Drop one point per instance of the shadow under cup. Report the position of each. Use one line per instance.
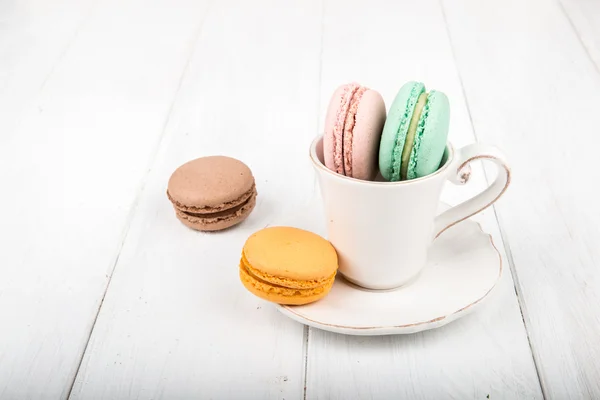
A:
(381, 230)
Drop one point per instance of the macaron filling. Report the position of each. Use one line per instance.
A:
(283, 281)
(265, 286)
(416, 122)
(411, 172)
(205, 210)
(402, 132)
(219, 219)
(342, 129)
(218, 214)
(349, 129)
(216, 218)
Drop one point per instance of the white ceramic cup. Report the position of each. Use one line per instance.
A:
(382, 230)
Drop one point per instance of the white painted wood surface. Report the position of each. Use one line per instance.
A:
(72, 166)
(584, 16)
(486, 353)
(36, 35)
(533, 90)
(100, 100)
(176, 322)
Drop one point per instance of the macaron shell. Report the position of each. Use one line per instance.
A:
(330, 120)
(283, 281)
(282, 295)
(214, 208)
(217, 221)
(396, 128)
(370, 118)
(432, 136)
(210, 184)
(291, 253)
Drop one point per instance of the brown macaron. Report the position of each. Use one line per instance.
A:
(212, 193)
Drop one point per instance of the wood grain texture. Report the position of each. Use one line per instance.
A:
(584, 15)
(35, 36)
(486, 353)
(176, 322)
(71, 168)
(100, 100)
(533, 90)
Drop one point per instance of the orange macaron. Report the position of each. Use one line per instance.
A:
(288, 265)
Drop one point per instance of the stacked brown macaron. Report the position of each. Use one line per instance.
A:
(212, 193)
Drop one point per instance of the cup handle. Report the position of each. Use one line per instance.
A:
(460, 172)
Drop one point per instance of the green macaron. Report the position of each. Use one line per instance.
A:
(415, 133)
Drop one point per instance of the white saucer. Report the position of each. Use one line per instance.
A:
(463, 268)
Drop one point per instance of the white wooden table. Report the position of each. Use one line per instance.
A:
(105, 295)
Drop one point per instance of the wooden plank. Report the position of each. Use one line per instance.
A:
(584, 16)
(533, 90)
(71, 169)
(176, 322)
(486, 354)
(32, 43)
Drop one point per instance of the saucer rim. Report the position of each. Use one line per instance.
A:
(399, 329)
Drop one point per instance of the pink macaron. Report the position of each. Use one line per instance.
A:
(353, 126)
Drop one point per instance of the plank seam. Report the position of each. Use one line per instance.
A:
(140, 190)
(505, 242)
(578, 35)
(67, 47)
(307, 329)
(517, 288)
(305, 349)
